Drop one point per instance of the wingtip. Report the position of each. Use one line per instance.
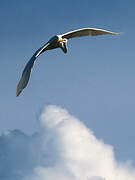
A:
(18, 91)
(116, 34)
(121, 33)
(17, 94)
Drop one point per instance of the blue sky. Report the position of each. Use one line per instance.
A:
(94, 81)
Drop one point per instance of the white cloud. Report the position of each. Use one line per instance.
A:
(65, 149)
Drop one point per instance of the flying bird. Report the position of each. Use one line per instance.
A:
(58, 41)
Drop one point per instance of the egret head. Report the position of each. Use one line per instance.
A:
(62, 40)
(57, 39)
(63, 44)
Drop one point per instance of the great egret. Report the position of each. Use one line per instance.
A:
(58, 41)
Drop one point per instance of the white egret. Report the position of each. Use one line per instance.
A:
(58, 41)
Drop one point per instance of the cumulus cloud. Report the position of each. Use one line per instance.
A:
(65, 149)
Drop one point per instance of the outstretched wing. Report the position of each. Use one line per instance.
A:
(27, 70)
(87, 32)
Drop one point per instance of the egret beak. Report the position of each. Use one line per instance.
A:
(61, 40)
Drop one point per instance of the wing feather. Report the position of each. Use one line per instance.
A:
(27, 70)
(87, 32)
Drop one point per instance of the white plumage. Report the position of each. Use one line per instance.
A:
(58, 41)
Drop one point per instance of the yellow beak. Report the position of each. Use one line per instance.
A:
(61, 40)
